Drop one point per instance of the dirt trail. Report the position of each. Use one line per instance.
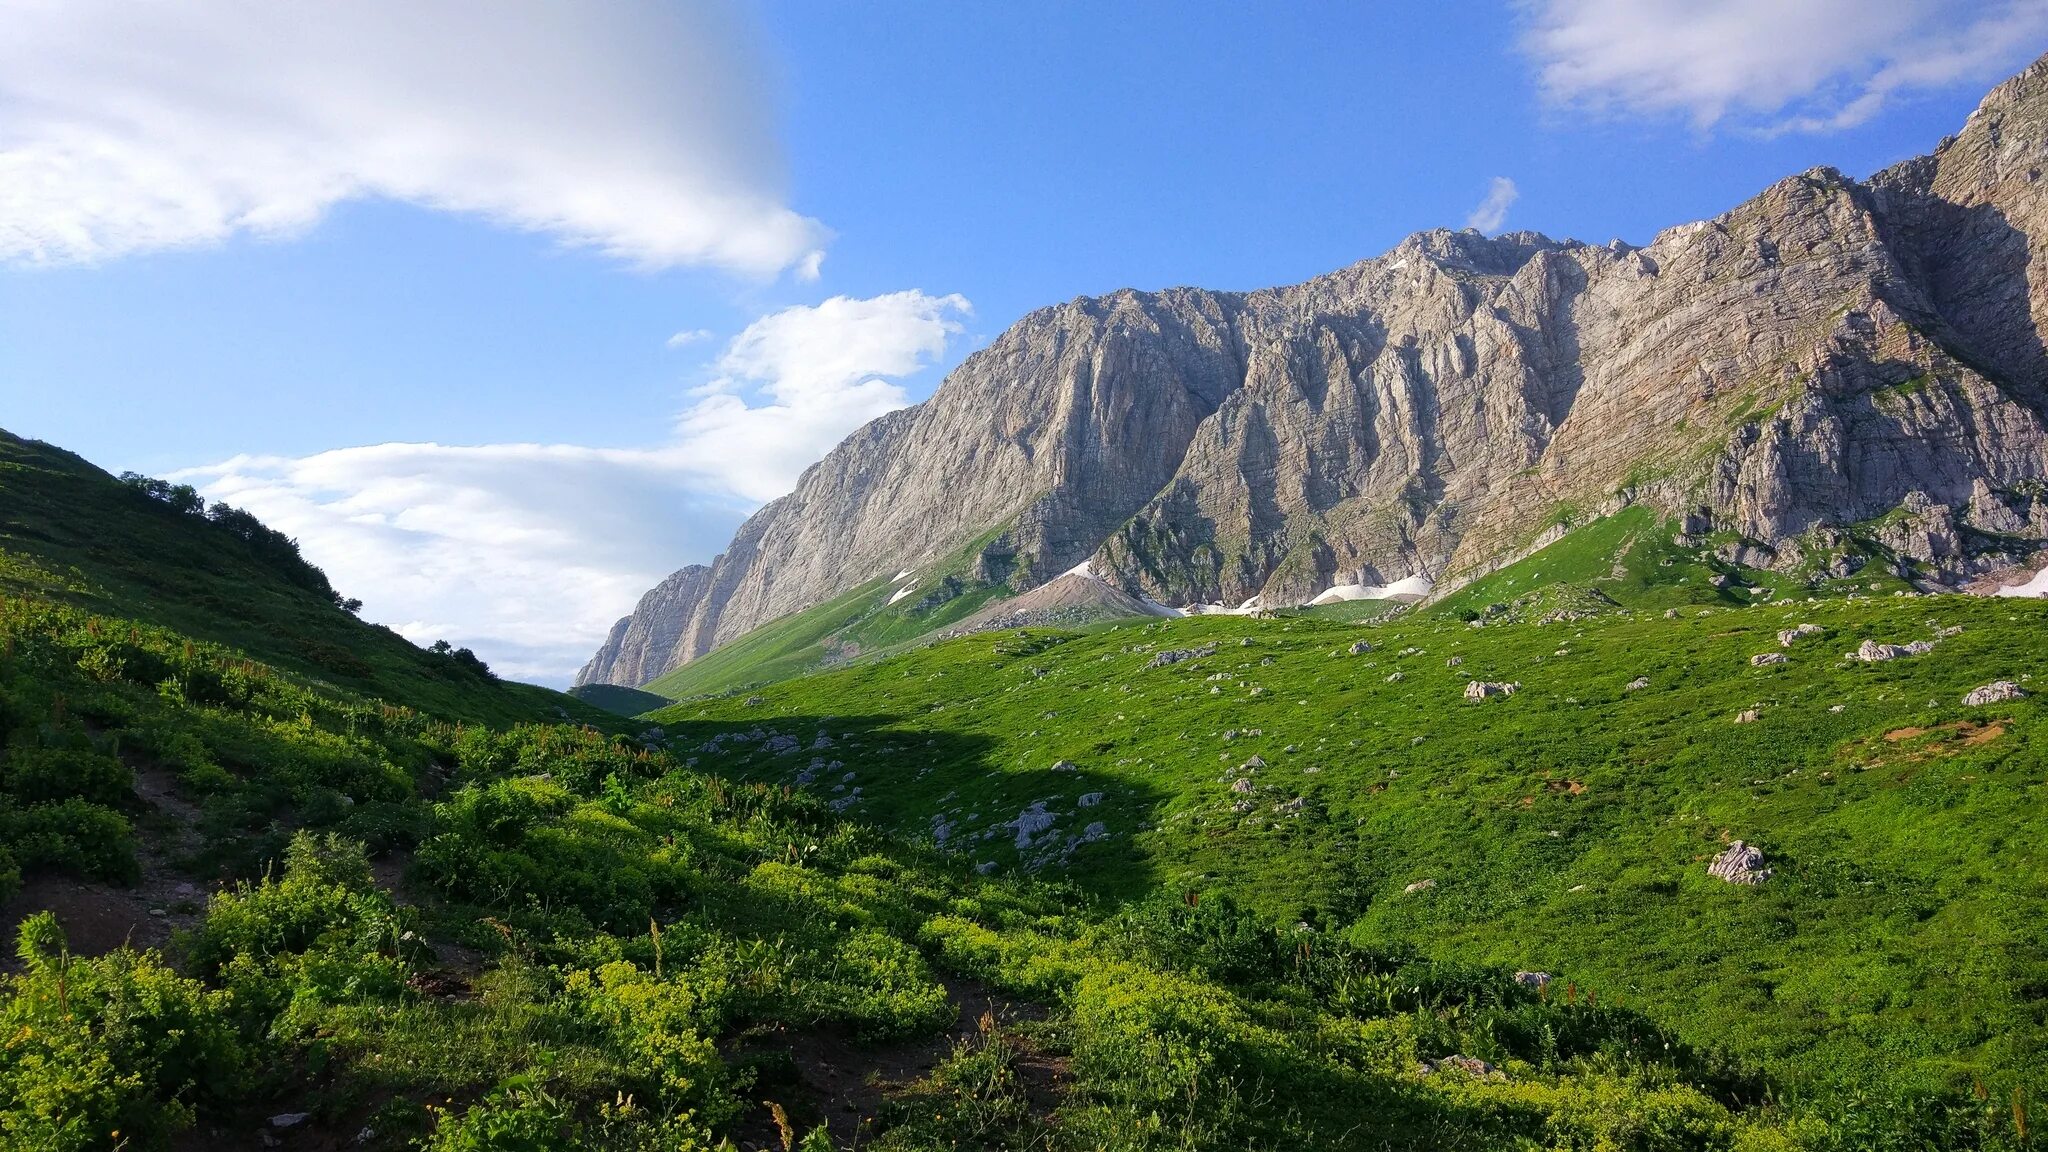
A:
(843, 1084)
(97, 917)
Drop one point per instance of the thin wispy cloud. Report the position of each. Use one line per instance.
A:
(1771, 66)
(1492, 212)
(528, 552)
(690, 336)
(642, 129)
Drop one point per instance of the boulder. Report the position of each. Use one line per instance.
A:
(1764, 659)
(1791, 636)
(1996, 692)
(1419, 886)
(1740, 863)
(1481, 689)
(1470, 1065)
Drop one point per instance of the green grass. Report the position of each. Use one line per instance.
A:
(1567, 827)
(860, 623)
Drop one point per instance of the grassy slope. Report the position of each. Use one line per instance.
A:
(514, 992)
(858, 623)
(73, 534)
(1566, 827)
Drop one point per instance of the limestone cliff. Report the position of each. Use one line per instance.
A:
(1832, 353)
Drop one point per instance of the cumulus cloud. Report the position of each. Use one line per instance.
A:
(1771, 65)
(638, 128)
(528, 552)
(816, 372)
(1492, 212)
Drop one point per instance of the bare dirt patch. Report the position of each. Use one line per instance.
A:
(98, 918)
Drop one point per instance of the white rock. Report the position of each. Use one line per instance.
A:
(1996, 692)
(1740, 863)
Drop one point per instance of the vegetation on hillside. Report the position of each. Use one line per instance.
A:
(306, 908)
(1894, 955)
(154, 553)
(595, 946)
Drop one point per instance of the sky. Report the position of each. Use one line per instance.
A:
(507, 310)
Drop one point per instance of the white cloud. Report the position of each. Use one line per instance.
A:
(1771, 65)
(528, 552)
(638, 128)
(690, 336)
(818, 371)
(1492, 212)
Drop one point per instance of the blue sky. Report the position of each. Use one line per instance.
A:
(507, 310)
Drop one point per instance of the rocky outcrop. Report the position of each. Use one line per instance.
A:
(1832, 356)
(647, 643)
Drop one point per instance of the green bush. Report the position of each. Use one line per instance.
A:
(108, 1052)
(74, 836)
(321, 935)
(44, 775)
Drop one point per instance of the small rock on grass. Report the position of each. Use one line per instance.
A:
(1996, 692)
(1740, 863)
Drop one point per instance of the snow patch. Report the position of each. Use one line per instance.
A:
(901, 575)
(1408, 588)
(1084, 568)
(906, 590)
(2037, 586)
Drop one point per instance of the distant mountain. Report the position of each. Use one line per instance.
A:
(1834, 366)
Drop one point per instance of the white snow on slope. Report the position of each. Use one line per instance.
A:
(1411, 587)
(2037, 586)
(906, 590)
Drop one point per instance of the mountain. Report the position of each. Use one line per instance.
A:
(1833, 361)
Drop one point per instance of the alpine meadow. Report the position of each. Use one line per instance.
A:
(1508, 693)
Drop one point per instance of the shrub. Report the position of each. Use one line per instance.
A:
(40, 775)
(73, 835)
(114, 1051)
(321, 935)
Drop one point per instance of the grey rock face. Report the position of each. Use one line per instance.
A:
(1830, 354)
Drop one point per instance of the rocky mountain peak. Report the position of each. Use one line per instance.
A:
(1801, 365)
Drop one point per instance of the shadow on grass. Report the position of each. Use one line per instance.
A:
(946, 789)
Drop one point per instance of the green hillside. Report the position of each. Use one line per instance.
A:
(73, 534)
(265, 903)
(258, 906)
(1898, 946)
(872, 619)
